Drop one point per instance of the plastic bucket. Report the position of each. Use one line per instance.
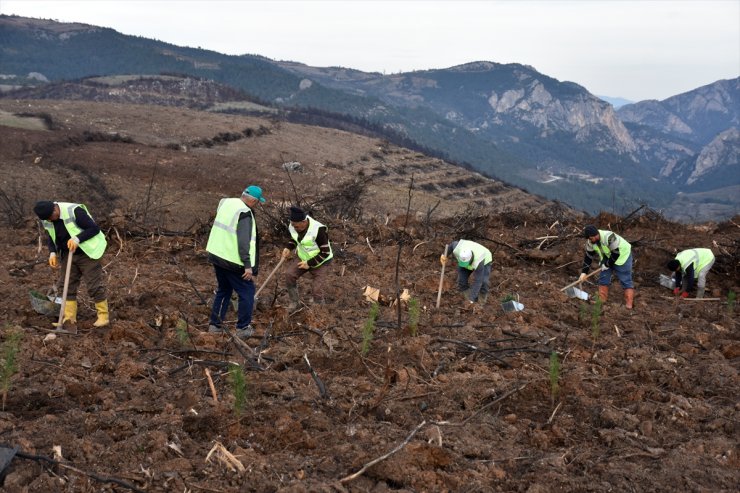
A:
(43, 304)
(667, 282)
(512, 306)
(574, 292)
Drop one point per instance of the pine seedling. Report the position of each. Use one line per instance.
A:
(413, 316)
(596, 317)
(583, 313)
(9, 366)
(369, 328)
(508, 297)
(554, 375)
(238, 387)
(731, 299)
(181, 331)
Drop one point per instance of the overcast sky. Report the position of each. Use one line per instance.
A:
(648, 49)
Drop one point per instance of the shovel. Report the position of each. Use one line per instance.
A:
(282, 259)
(64, 291)
(441, 279)
(597, 271)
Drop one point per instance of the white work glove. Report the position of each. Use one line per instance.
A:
(303, 265)
(53, 262)
(604, 267)
(286, 253)
(582, 277)
(443, 259)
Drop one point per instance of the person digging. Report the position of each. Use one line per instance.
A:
(310, 239)
(71, 230)
(472, 259)
(691, 267)
(615, 255)
(233, 250)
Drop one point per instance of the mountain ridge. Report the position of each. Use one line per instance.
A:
(507, 121)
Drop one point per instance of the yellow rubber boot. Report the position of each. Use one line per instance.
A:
(70, 313)
(103, 317)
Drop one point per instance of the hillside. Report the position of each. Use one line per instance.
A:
(464, 401)
(506, 121)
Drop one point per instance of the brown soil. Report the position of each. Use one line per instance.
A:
(647, 400)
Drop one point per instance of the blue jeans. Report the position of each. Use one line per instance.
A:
(623, 272)
(229, 281)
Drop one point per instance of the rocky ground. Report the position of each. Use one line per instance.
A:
(462, 400)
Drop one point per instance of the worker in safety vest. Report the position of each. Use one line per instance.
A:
(310, 239)
(690, 266)
(233, 249)
(614, 254)
(72, 231)
(472, 258)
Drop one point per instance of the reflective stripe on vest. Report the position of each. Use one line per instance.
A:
(480, 253)
(602, 247)
(307, 247)
(223, 241)
(700, 257)
(93, 247)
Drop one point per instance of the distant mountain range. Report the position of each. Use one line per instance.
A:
(508, 121)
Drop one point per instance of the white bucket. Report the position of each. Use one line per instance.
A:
(512, 306)
(667, 282)
(574, 292)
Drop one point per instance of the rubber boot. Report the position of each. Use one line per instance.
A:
(70, 315)
(293, 296)
(103, 316)
(465, 294)
(629, 296)
(482, 299)
(603, 293)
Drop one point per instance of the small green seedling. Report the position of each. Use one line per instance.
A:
(9, 366)
(554, 375)
(413, 316)
(508, 297)
(238, 387)
(596, 317)
(181, 331)
(369, 328)
(731, 299)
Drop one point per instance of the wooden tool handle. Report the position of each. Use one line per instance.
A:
(282, 259)
(66, 287)
(441, 279)
(579, 281)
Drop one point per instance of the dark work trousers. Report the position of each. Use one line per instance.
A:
(318, 275)
(83, 267)
(228, 282)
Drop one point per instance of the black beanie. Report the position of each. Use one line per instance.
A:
(44, 209)
(590, 231)
(297, 214)
(673, 264)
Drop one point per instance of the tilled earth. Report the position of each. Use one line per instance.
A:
(463, 400)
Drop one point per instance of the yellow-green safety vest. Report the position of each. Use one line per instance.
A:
(480, 253)
(700, 257)
(602, 247)
(93, 247)
(307, 247)
(223, 241)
